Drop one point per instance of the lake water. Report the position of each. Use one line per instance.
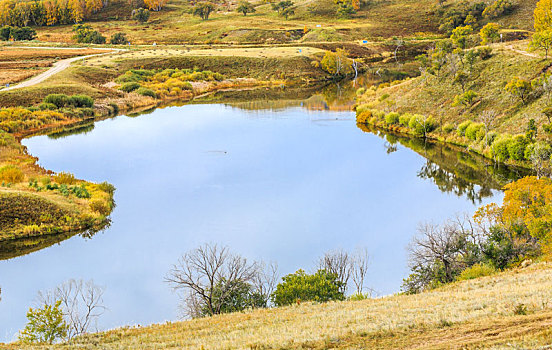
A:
(282, 185)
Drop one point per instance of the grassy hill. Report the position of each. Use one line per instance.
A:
(314, 21)
(508, 310)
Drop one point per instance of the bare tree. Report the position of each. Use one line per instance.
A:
(540, 159)
(488, 118)
(359, 269)
(437, 244)
(210, 274)
(82, 304)
(265, 280)
(339, 263)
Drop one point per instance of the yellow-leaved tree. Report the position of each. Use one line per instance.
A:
(543, 15)
(528, 201)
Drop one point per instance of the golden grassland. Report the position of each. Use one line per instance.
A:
(431, 95)
(479, 313)
(378, 19)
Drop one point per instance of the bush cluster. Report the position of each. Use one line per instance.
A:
(163, 83)
(418, 124)
(62, 100)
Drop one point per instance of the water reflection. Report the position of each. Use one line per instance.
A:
(13, 248)
(452, 169)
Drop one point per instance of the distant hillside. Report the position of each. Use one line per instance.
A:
(314, 21)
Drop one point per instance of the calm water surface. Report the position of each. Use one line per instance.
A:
(279, 185)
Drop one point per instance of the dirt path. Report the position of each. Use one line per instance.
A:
(57, 67)
(521, 52)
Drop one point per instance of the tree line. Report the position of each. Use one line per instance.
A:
(47, 12)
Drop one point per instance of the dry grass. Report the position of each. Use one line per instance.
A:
(18, 63)
(379, 19)
(431, 95)
(475, 313)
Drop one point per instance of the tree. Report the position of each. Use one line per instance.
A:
(213, 276)
(488, 119)
(539, 155)
(245, 7)
(529, 201)
(520, 88)
(543, 15)
(85, 34)
(322, 286)
(141, 15)
(44, 325)
(118, 39)
(460, 36)
(337, 63)
(81, 304)
(359, 269)
(284, 8)
(489, 33)
(465, 99)
(542, 41)
(155, 5)
(203, 10)
(338, 263)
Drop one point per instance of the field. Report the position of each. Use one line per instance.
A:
(509, 310)
(20, 63)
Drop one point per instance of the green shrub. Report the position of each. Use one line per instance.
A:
(477, 270)
(47, 106)
(11, 174)
(85, 34)
(23, 34)
(422, 125)
(500, 147)
(404, 119)
(392, 118)
(321, 287)
(118, 39)
(145, 92)
(5, 33)
(128, 87)
(60, 100)
(141, 15)
(461, 130)
(472, 132)
(491, 136)
(80, 191)
(45, 325)
(80, 101)
(448, 128)
(516, 148)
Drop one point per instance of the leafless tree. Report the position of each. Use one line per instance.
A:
(359, 269)
(488, 118)
(265, 280)
(437, 243)
(81, 302)
(339, 263)
(399, 42)
(347, 266)
(540, 159)
(207, 270)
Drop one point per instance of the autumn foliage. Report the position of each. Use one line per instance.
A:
(47, 12)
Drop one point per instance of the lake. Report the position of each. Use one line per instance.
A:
(277, 182)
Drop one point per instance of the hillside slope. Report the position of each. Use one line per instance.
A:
(469, 314)
(314, 21)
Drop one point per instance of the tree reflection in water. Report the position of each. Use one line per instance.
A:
(453, 169)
